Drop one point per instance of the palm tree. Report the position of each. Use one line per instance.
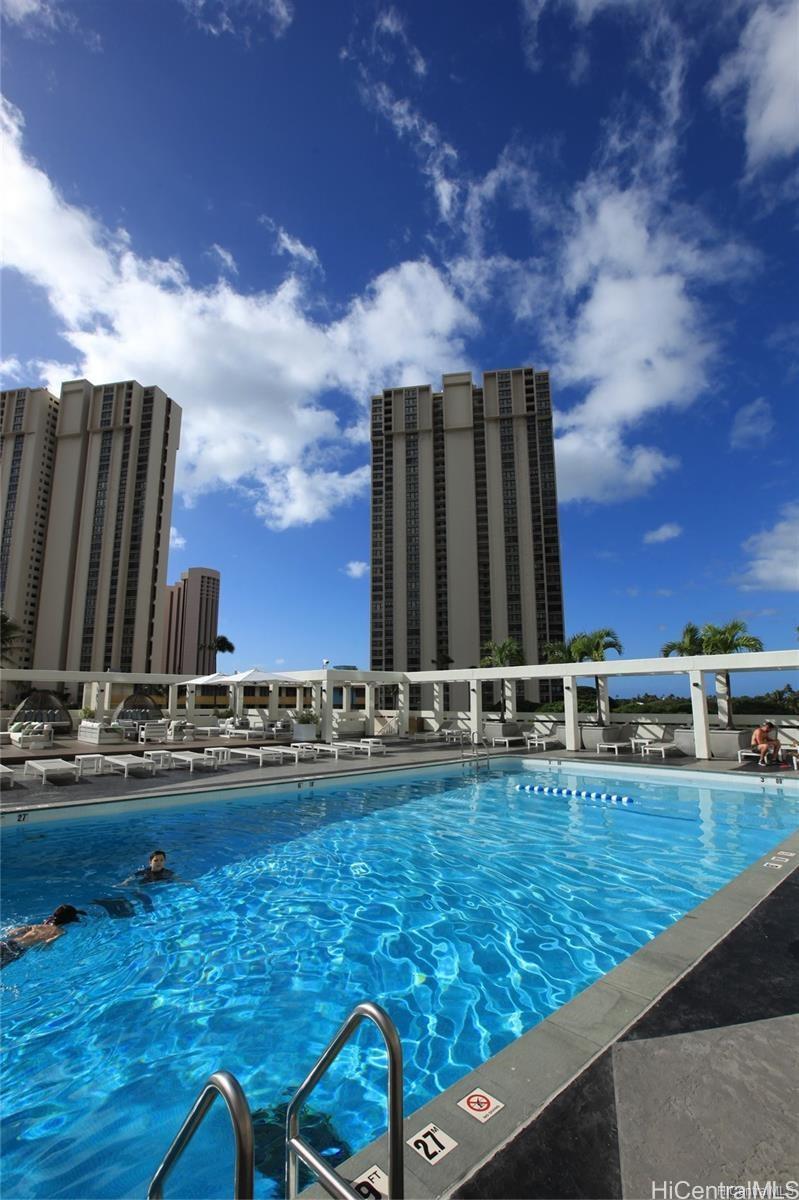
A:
(10, 635)
(223, 645)
(688, 645)
(502, 654)
(581, 646)
(731, 638)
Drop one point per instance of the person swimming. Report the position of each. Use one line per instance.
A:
(156, 872)
(25, 936)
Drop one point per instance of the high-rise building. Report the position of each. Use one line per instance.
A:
(28, 419)
(192, 614)
(465, 543)
(96, 601)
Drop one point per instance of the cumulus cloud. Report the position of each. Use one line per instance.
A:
(239, 17)
(225, 259)
(44, 18)
(249, 370)
(356, 570)
(10, 368)
(285, 243)
(774, 555)
(753, 424)
(664, 533)
(176, 540)
(761, 75)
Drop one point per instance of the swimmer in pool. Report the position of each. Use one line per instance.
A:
(25, 936)
(156, 872)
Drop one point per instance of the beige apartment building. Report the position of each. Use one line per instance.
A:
(95, 598)
(192, 615)
(465, 542)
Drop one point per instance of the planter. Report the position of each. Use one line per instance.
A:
(304, 733)
(725, 743)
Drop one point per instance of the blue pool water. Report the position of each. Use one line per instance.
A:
(470, 910)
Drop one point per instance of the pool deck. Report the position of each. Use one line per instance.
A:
(30, 793)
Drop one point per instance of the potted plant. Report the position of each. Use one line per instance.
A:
(306, 726)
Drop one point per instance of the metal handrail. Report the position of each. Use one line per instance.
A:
(333, 1183)
(477, 740)
(223, 1084)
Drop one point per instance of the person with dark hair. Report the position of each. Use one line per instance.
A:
(766, 742)
(156, 872)
(24, 936)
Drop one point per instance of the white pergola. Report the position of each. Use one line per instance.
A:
(97, 686)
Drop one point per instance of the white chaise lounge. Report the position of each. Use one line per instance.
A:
(192, 759)
(43, 767)
(125, 762)
(367, 746)
(7, 773)
(294, 752)
(324, 748)
(610, 740)
(261, 755)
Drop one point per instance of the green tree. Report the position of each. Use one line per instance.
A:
(10, 636)
(732, 638)
(592, 645)
(688, 644)
(502, 654)
(223, 645)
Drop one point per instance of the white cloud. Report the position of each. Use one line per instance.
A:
(584, 11)
(664, 533)
(236, 17)
(753, 424)
(279, 662)
(248, 369)
(774, 555)
(391, 24)
(763, 68)
(11, 368)
(226, 260)
(176, 540)
(45, 18)
(285, 243)
(356, 570)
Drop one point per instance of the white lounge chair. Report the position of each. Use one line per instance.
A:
(124, 762)
(538, 741)
(607, 742)
(363, 746)
(503, 739)
(49, 766)
(295, 752)
(660, 747)
(192, 759)
(262, 755)
(7, 773)
(324, 748)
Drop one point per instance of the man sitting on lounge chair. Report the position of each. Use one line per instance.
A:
(766, 742)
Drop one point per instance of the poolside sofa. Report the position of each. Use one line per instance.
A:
(153, 731)
(31, 735)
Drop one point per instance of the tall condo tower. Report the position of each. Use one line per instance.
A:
(465, 543)
(192, 613)
(28, 418)
(97, 600)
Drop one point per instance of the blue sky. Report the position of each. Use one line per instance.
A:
(273, 208)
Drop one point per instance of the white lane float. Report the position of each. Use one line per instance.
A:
(550, 790)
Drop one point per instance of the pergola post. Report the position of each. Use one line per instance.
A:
(402, 708)
(87, 695)
(326, 710)
(237, 699)
(509, 699)
(602, 700)
(475, 708)
(570, 713)
(346, 697)
(172, 701)
(369, 709)
(274, 696)
(723, 705)
(191, 701)
(99, 694)
(699, 715)
(438, 705)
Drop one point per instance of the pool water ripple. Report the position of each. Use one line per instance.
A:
(470, 910)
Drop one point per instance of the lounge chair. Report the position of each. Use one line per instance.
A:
(538, 739)
(323, 748)
(660, 747)
(49, 766)
(363, 746)
(124, 762)
(295, 752)
(7, 773)
(262, 754)
(192, 759)
(611, 740)
(206, 731)
(503, 739)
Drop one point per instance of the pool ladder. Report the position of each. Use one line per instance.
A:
(477, 750)
(223, 1084)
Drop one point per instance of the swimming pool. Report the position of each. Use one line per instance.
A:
(468, 908)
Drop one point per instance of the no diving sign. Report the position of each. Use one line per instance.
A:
(480, 1105)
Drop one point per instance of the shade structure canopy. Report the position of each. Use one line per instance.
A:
(216, 677)
(254, 675)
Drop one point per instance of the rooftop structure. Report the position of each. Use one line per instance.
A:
(192, 614)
